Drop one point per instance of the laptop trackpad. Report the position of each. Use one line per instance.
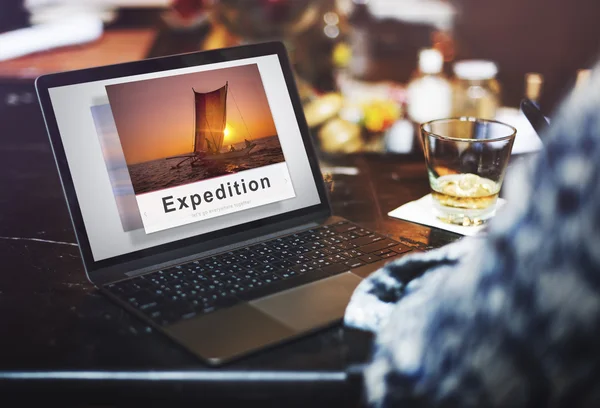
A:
(228, 333)
(310, 306)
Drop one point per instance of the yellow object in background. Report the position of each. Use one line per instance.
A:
(379, 115)
(322, 109)
(340, 136)
(533, 86)
(342, 53)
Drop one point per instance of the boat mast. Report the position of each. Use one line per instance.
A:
(195, 122)
(225, 113)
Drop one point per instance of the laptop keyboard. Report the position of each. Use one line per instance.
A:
(205, 285)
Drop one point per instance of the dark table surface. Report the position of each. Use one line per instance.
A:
(53, 319)
(75, 345)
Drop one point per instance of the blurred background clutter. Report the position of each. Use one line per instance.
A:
(369, 71)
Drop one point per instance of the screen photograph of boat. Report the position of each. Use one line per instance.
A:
(188, 128)
(211, 128)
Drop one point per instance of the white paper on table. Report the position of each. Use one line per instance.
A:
(527, 140)
(421, 212)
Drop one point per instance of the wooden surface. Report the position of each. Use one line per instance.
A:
(112, 48)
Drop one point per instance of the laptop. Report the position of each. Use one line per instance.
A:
(197, 200)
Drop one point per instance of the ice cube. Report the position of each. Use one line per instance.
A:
(468, 185)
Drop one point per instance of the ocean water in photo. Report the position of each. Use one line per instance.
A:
(160, 174)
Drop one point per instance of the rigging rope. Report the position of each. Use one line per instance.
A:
(242, 116)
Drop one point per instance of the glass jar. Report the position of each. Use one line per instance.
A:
(476, 92)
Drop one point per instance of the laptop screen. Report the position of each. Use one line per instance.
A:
(164, 156)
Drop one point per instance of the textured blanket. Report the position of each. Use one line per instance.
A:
(511, 319)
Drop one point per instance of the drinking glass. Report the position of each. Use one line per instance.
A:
(466, 160)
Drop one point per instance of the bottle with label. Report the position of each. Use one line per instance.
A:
(476, 90)
(400, 138)
(429, 94)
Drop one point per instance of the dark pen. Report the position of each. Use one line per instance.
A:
(535, 116)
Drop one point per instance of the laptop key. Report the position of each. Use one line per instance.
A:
(351, 253)
(242, 256)
(334, 269)
(288, 274)
(369, 258)
(331, 241)
(269, 256)
(315, 255)
(368, 239)
(298, 260)
(232, 291)
(331, 250)
(313, 246)
(263, 269)
(250, 264)
(270, 278)
(298, 250)
(354, 263)
(317, 263)
(142, 297)
(285, 263)
(301, 269)
(336, 258)
(347, 236)
(361, 232)
(248, 275)
(284, 254)
(346, 245)
(148, 305)
(401, 249)
(156, 279)
(384, 243)
(283, 284)
(228, 281)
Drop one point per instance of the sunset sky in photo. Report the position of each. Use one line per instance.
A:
(155, 118)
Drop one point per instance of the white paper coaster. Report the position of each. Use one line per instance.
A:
(421, 212)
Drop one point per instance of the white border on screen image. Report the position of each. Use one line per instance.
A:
(92, 184)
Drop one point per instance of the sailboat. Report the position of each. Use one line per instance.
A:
(210, 110)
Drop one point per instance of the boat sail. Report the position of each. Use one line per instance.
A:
(210, 120)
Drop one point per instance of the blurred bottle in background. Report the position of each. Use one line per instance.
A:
(533, 86)
(400, 138)
(429, 93)
(476, 92)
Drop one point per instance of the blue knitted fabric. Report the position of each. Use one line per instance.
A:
(511, 319)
